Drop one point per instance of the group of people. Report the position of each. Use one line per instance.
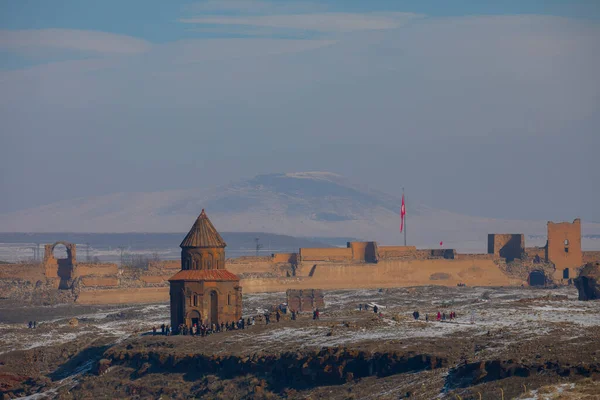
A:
(32, 324)
(366, 308)
(205, 329)
(441, 316)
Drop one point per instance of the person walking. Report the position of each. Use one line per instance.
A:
(162, 329)
(439, 316)
(277, 316)
(153, 330)
(375, 309)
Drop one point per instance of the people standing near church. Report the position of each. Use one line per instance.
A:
(375, 309)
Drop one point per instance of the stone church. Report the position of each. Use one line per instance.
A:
(204, 291)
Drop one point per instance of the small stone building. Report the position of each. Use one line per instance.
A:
(204, 291)
(305, 299)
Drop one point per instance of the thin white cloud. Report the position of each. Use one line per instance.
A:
(320, 22)
(254, 7)
(71, 39)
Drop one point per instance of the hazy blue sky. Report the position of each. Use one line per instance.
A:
(485, 109)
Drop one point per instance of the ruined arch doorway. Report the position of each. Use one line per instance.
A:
(537, 278)
(60, 251)
(214, 308)
(59, 259)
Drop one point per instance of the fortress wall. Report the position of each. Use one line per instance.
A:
(411, 273)
(29, 272)
(401, 252)
(96, 269)
(591, 256)
(256, 267)
(473, 256)
(102, 282)
(385, 274)
(427, 254)
(291, 258)
(124, 296)
(326, 254)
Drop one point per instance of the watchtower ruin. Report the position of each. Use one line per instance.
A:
(563, 248)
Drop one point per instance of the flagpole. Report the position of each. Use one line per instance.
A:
(404, 216)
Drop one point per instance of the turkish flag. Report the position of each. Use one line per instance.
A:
(402, 214)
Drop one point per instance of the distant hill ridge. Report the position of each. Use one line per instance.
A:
(308, 204)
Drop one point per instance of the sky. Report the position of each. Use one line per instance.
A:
(484, 108)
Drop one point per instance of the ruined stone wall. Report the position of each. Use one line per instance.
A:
(325, 254)
(508, 246)
(93, 281)
(398, 273)
(531, 252)
(155, 279)
(564, 247)
(397, 252)
(473, 256)
(165, 265)
(590, 256)
(291, 258)
(364, 251)
(27, 272)
(82, 270)
(429, 254)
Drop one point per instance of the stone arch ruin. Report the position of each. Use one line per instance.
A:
(61, 269)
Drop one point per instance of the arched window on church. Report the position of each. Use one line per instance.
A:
(195, 300)
(229, 299)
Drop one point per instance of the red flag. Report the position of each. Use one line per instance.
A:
(402, 214)
(441, 243)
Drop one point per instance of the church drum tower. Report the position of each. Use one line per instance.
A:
(204, 291)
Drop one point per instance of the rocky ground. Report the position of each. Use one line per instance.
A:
(518, 342)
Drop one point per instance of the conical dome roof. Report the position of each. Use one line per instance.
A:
(203, 234)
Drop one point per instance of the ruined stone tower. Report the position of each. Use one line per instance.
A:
(204, 291)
